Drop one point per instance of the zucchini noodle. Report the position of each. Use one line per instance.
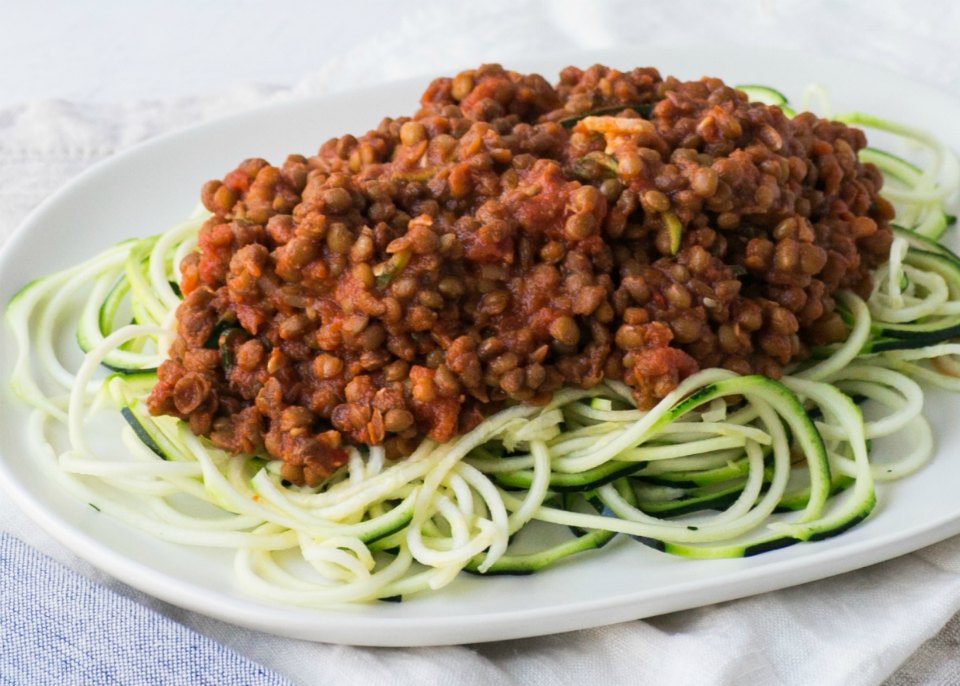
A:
(723, 466)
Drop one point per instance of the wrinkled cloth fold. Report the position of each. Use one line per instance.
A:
(889, 621)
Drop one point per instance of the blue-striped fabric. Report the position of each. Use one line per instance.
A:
(57, 627)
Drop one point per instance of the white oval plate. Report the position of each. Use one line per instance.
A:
(156, 184)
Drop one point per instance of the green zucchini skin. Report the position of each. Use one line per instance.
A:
(524, 565)
(572, 483)
(142, 432)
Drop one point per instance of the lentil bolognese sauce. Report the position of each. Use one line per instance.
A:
(510, 239)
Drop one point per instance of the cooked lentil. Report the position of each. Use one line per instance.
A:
(499, 245)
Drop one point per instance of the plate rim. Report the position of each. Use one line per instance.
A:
(301, 622)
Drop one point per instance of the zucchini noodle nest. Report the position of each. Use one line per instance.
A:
(724, 466)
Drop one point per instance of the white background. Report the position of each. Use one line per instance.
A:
(115, 50)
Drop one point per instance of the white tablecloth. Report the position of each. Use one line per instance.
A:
(80, 84)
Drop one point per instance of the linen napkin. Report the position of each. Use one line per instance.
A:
(848, 630)
(57, 627)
